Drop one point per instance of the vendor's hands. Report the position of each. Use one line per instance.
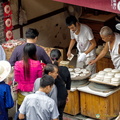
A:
(92, 62)
(68, 54)
(82, 57)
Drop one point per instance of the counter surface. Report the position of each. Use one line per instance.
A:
(88, 90)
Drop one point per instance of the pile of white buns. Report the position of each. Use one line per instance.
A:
(74, 72)
(108, 75)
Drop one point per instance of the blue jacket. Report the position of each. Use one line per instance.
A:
(6, 100)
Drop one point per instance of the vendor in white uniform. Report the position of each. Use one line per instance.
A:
(112, 45)
(82, 34)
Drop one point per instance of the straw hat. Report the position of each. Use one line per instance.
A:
(5, 69)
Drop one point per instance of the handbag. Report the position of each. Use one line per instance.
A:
(14, 91)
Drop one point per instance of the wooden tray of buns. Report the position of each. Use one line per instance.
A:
(102, 82)
(81, 77)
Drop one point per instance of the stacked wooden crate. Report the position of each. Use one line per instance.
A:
(10, 46)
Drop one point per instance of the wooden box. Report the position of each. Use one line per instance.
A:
(9, 51)
(73, 105)
(104, 63)
(103, 108)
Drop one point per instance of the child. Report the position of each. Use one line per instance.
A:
(6, 100)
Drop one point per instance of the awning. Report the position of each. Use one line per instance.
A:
(105, 5)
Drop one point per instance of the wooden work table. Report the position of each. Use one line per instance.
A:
(94, 104)
(99, 105)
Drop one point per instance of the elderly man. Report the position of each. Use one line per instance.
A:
(52, 70)
(112, 45)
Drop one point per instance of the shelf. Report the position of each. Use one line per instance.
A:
(100, 17)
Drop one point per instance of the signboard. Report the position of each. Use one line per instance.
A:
(105, 5)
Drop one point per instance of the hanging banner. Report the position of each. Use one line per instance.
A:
(7, 21)
(105, 5)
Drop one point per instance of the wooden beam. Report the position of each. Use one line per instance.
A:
(40, 18)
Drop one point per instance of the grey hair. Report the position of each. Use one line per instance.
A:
(106, 31)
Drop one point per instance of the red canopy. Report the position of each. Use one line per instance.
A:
(105, 5)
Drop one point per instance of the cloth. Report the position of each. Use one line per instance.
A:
(53, 92)
(2, 54)
(22, 16)
(115, 56)
(25, 83)
(17, 55)
(83, 39)
(20, 98)
(82, 57)
(91, 68)
(39, 106)
(6, 100)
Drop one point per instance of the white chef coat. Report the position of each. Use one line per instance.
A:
(83, 43)
(83, 39)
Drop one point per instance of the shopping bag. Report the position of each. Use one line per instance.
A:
(14, 91)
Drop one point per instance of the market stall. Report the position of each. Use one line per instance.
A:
(96, 97)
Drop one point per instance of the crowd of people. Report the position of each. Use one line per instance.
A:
(42, 91)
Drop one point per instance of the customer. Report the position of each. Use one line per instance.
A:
(26, 71)
(31, 37)
(112, 45)
(83, 36)
(39, 106)
(62, 82)
(51, 70)
(6, 100)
